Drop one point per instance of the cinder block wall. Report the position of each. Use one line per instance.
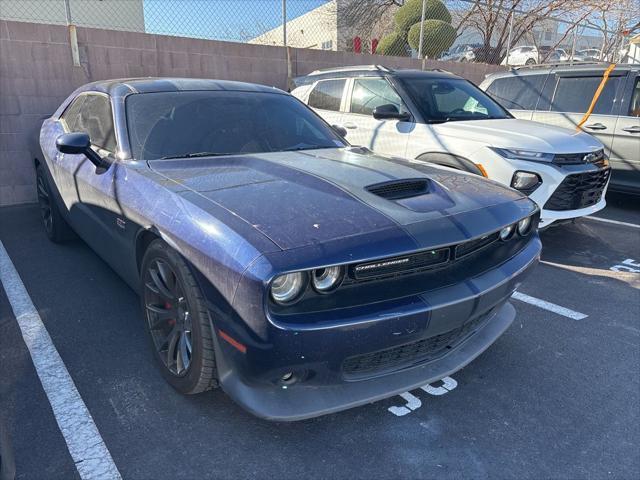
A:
(37, 74)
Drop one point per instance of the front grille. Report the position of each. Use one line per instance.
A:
(579, 190)
(400, 265)
(473, 245)
(596, 158)
(398, 189)
(410, 354)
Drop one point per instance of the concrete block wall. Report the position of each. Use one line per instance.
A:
(37, 74)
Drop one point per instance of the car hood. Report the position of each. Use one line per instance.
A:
(521, 134)
(315, 196)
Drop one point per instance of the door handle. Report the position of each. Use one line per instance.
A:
(634, 129)
(350, 125)
(596, 126)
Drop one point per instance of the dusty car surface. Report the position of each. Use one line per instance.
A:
(301, 275)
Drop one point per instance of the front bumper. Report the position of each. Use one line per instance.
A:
(317, 356)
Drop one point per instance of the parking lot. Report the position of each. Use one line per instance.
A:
(556, 397)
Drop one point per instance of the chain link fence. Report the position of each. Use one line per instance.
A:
(494, 32)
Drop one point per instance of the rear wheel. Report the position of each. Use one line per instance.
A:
(55, 226)
(530, 61)
(177, 320)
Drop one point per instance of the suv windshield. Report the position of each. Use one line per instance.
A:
(208, 123)
(445, 100)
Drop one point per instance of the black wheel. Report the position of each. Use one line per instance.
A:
(177, 320)
(56, 228)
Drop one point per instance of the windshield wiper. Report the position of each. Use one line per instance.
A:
(194, 155)
(297, 148)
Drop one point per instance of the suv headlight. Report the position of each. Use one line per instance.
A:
(286, 288)
(517, 154)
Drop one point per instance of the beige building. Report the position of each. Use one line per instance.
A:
(111, 14)
(332, 26)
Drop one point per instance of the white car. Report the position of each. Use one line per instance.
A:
(524, 55)
(438, 117)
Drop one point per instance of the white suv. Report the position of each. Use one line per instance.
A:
(438, 117)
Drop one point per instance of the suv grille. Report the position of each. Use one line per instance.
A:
(596, 158)
(397, 189)
(580, 190)
(411, 354)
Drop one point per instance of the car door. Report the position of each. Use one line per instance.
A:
(625, 152)
(389, 137)
(567, 96)
(89, 194)
(326, 99)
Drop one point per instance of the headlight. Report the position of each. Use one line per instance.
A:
(326, 279)
(526, 182)
(524, 226)
(286, 288)
(507, 232)
(517, 154)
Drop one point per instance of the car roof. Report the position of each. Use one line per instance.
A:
(126, 86)
(579, 67)
(370, 71)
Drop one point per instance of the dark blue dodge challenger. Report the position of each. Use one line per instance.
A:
(301, 274)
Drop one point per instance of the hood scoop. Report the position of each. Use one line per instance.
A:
(399, 189)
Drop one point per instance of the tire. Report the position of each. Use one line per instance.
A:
(177, 320)
(530, 61)
(55, 226)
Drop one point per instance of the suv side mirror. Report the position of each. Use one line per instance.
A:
(79, 143)
(339, 130)
(389, 112)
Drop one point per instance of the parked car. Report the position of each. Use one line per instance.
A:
(523, 55)
(552, 55)
(300, 274)
(589, 55)
(441, 118)
(560, 96)
(461, 53)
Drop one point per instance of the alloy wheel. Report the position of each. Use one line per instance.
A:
(168, 317)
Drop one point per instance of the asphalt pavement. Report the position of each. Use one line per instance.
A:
(554, 397)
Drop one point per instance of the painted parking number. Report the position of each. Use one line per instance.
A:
(628, 265)
(413, 402)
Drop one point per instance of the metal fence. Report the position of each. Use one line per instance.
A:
(455, 30)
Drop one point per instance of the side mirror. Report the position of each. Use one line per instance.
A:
(389, 112)
(339, 130)
(79, 143)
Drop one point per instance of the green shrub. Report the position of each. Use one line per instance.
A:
(394, 44)
(411, 12)
(438, 37)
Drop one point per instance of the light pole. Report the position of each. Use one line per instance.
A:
(424, 6)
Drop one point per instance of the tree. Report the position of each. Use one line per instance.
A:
(394, 44)
(438, 36)
(411, 13)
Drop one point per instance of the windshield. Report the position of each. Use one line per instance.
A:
(208, 123)
(446, 100)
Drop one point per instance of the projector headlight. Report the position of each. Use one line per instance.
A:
(326, 279)
(286, 288)
(524, 226)
(507, 232)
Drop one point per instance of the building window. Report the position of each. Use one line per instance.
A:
(328, 45)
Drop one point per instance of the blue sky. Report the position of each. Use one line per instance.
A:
(235, 20)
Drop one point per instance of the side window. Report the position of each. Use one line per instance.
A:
(574, 94)
(327, 95)
(70, 115)
(369, 93)
(96, 119)
(634, 107)
(517, 92)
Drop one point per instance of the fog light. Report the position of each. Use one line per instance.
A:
(524, 226)
(526, 182)
(506, 233)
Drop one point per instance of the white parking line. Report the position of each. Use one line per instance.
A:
(552, 307)
(614, 222)
(86, 446)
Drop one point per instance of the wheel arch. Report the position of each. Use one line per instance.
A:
(451, 160)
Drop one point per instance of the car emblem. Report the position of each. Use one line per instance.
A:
(590, 157)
